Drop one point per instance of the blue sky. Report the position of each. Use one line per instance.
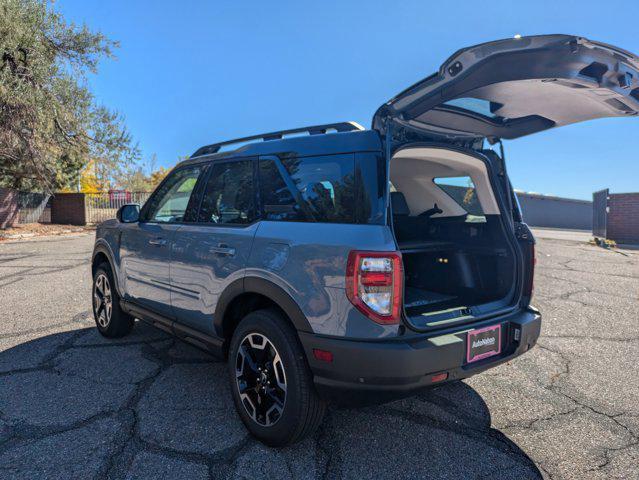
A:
(191, 73)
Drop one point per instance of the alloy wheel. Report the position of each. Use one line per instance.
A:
(260, 379)
(102, 300)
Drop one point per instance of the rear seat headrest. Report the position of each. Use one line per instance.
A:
(398, 204)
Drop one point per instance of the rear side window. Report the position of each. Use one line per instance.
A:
(278, 200)
(229, 196)
(326, 186)
(462, 190)
(328, 189)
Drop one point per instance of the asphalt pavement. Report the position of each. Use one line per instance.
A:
(75, 405)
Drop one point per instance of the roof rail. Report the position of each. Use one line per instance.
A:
(314, 130)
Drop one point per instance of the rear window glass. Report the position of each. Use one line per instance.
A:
(462, 190)
(476, 105)
(330, 189)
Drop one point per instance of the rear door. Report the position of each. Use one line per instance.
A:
(210, 253)
(510, 88)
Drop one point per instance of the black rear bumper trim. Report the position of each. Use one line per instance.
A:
(399, 367)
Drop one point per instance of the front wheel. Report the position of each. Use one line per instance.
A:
(111, 320)
(271, 382)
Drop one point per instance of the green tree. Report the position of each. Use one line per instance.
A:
(135, 180)
(51, 126)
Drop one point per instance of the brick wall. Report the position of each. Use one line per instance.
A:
(8, 207)
(623, 217)
(68, 208)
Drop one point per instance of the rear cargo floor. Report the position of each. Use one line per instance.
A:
(417, 297)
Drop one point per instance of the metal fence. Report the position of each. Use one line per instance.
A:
(600, 213)
(555, 212)
(103, 206)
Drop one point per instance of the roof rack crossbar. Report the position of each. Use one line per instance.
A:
(314, 130)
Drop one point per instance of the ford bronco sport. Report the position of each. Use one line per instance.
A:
(337, 263)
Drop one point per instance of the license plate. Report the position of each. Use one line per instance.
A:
(483, 343)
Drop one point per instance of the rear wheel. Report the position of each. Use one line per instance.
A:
(271, 382)
(110, 319)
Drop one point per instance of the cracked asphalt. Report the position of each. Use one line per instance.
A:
(74, 405)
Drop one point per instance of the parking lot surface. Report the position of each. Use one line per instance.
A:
(75, 405)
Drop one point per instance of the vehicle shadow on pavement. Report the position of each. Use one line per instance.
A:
(76, 405)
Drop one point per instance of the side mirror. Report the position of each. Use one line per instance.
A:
(129, 213)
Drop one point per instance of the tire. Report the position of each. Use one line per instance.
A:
(298, 412)
(111, 320)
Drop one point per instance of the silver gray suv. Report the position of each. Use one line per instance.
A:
(333, 263)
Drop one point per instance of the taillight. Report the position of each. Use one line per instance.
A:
(374, 284)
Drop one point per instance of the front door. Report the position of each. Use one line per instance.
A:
(211, 253)
(145, 247)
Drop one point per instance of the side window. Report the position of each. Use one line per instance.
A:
(462, 190)
(170, 201)
(310, 189)
(277, 199)
(229, 196)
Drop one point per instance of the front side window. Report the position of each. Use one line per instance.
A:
(463, 191)
(229, 196)
(169, 203)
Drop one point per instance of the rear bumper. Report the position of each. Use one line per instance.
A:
(373, 371)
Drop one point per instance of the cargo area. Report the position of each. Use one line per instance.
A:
(458, 261)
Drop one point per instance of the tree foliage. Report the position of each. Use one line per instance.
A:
(51, 126)
(143, 177)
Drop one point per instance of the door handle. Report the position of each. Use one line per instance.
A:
(223, 249)
(157, 242)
